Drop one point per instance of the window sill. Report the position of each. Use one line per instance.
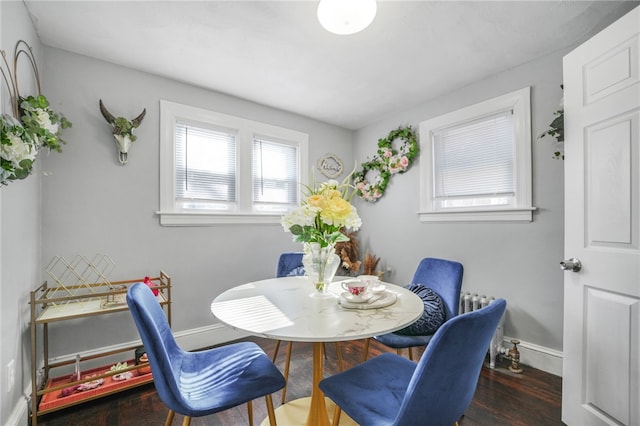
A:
(522, 215)
(212, 219)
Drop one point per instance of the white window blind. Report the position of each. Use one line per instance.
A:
(475, 159)
(275, 174)
(205, 166)
(476, 162)
(218, 169)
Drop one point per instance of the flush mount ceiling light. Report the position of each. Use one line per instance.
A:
(345, 17)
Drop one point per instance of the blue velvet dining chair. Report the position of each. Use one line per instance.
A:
(390, 390)
(199, 383)
(442, 277)
(290, 265)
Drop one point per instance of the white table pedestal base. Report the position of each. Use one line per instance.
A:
(295, 413)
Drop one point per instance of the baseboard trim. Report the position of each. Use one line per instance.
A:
(536, 356)
(204, 337)
(20, 413)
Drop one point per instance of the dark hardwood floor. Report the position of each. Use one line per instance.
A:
(502, 398)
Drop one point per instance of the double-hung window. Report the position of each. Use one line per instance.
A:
(275, 179)
(205, 167)
(216, 168)
(476, 162)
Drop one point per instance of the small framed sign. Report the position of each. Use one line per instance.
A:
(330, 166)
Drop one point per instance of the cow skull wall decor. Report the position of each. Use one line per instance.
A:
(122, 131)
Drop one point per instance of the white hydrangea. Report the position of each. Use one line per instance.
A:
(303, 216)
(43, 119)
(353, 221)
(17, 151)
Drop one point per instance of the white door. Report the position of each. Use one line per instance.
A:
(601, 371)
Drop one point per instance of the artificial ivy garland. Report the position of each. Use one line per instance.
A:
(385, 163)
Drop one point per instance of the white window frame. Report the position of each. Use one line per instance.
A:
(522, 209)
(173, 215)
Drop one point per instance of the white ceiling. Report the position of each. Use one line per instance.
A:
(277, 54)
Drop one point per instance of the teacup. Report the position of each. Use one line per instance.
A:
(373, 283)
(356, 288)
(369, 279)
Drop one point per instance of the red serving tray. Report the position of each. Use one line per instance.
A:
(54, 400)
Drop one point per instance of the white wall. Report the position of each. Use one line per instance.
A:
(92, 204)
(20, 213)
(518, 262)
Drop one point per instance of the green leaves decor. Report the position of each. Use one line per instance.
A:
(556, 130)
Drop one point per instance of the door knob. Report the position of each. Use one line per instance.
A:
(573, 265)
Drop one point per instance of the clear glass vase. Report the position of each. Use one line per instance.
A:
(321, 265)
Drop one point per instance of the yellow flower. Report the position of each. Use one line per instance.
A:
(316, 200)
(330, 194)
(336, 211)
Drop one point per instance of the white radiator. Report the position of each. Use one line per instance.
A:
(471, 302)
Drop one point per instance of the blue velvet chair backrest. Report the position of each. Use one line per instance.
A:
(165, 356)
(445, 278)
(446, 376)
(289, 264)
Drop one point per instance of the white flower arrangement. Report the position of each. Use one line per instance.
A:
(324, 212)
(20, 141)
(18, 150)
(33, 124)
(43, 123)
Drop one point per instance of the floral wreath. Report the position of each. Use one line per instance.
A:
(386, 162)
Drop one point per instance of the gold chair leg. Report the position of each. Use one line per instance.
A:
(250, 412)
(365, 349)
(411, 354)
(339, 354)
(275, 352)
(399, 351)
(169, 419)
(336, 416)
(270, 410)
(324, 350)
(287, 363)
(186, 421)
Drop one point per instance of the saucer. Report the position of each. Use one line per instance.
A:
(377, 288)
(382, 300)
(356, 299)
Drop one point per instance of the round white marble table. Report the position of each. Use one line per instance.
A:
(283, 309)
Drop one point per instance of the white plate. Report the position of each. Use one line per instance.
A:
(378, 288)
(356, 299)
